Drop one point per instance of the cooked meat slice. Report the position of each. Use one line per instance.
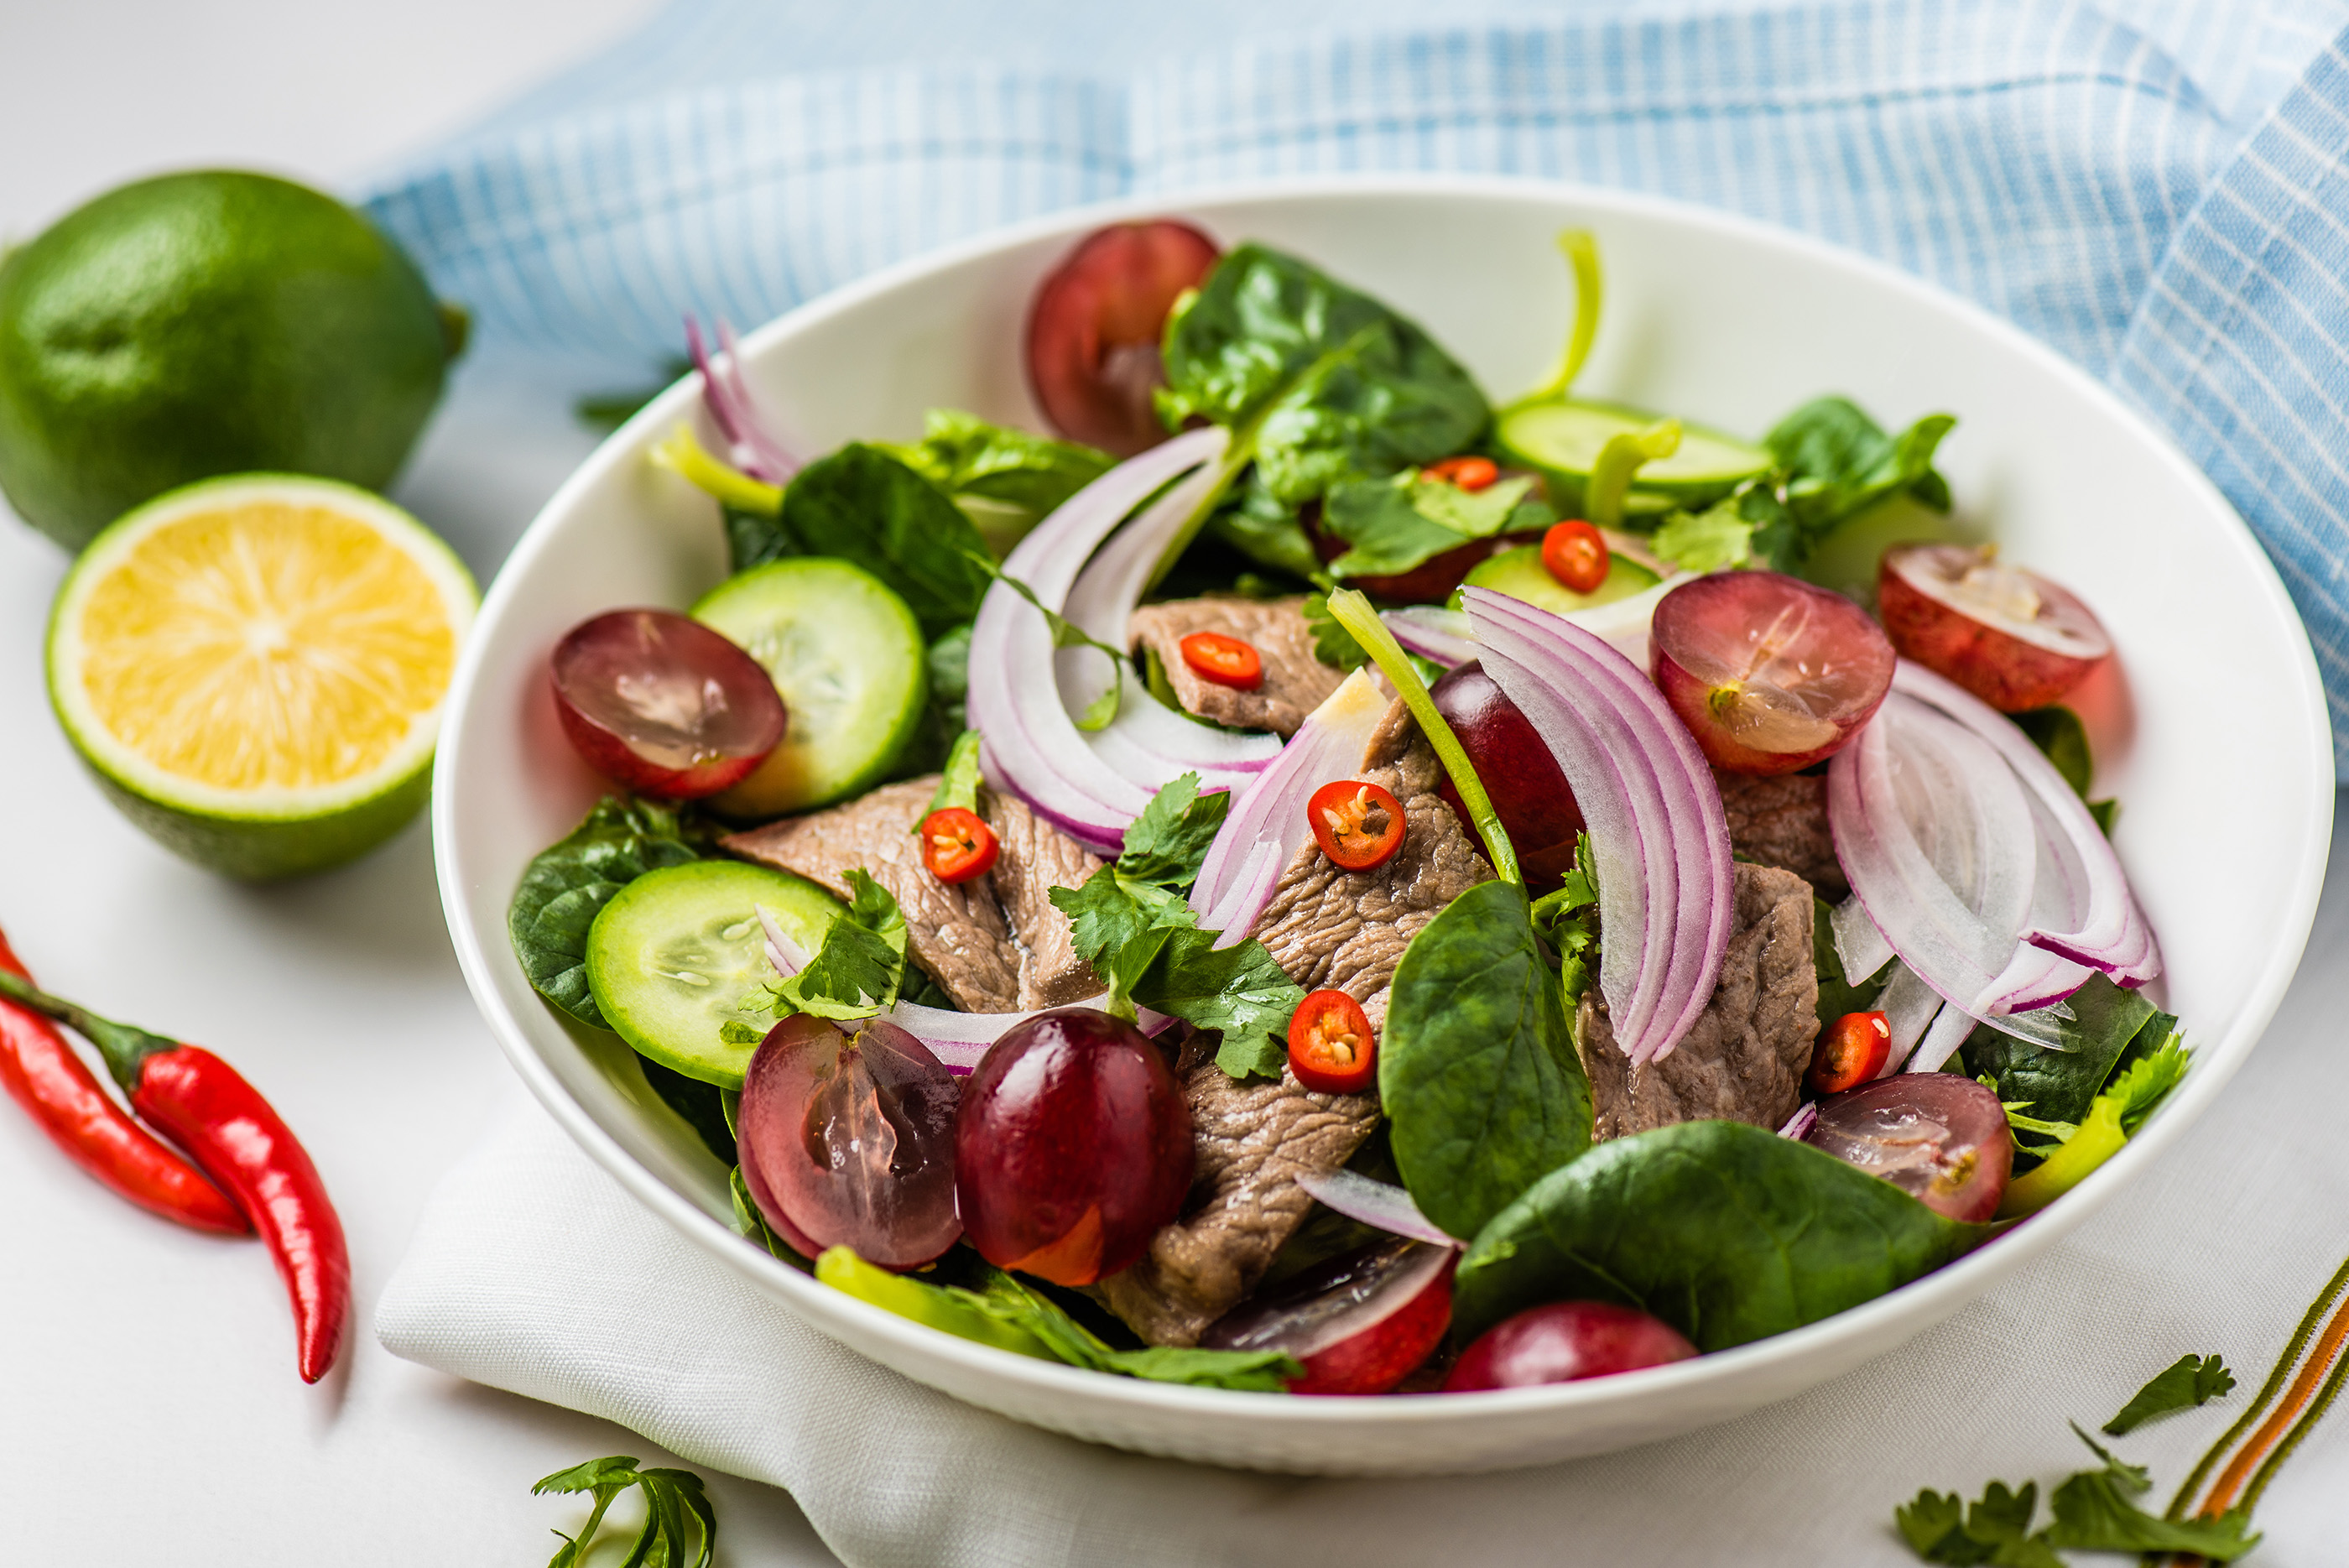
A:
(1255, 1139)
(1341, 929)
(1783, 822)
(1036, 858)
(994, 944)
(1743, 1060)
(1295, 681)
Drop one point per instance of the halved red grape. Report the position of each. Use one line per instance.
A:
(1528, 790)
(848, 1140)
(1769, 674)
(661, 703)
(1566, 1342)
(1072, 1147)
(1361, 1323)
(2012, 637)
(1940, 1138)
(1094, 326)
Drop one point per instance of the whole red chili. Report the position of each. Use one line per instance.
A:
(202, 1105)
(42, 1073)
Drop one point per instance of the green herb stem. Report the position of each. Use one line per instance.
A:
(125, 1048)
(1580, 248)
(1352, 610)
(684, 455)
(1619, 462)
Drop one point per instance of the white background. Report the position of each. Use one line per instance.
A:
(150, 1411)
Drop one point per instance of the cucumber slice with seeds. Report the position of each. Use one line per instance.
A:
(1519, 573)
(1562, 438)
(848, 657)
(679, 953)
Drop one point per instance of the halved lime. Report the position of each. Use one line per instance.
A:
(255, 669)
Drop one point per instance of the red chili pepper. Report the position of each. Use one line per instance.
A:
(1226, 661)
(1330, 1047)
(1850, 1051)
(1576, 554)
(1471, 474)
(957, 845)
(1358, 825)
(201, 1104)
(42, 1073)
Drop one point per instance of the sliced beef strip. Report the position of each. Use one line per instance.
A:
(1744, 1058)
(1295, 682)
(1342, 931)
(995, 944)
(1327, 928)
(1254, 1140)
(1783, 822)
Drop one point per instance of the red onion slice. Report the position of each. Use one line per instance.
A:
(1441, 635)
(1805, 1117)
(1267, 826)
(1033, 748)
(2107, 929)
(1379, 1203)
(728, 398)
(1656, 822)
(1941, 1041)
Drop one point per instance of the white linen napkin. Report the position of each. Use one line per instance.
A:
(532, 1271)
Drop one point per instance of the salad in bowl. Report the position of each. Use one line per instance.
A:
(1304, 878)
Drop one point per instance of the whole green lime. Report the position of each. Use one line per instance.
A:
(203, 324)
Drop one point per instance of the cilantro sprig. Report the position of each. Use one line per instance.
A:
(1132, 922)
(2182, 1385)
(678, 1514)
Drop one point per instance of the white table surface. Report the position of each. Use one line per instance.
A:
(150, 1411)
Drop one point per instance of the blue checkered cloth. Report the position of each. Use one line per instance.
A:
(2156, 187)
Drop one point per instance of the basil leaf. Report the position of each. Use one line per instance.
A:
(865, 506)
(568, 884)
(1728, 1232)
(2187, 1382)
(1477, 1071)
(1264, 528)
(699, 1105)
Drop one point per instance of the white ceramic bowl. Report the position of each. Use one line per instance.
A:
(2215, 739)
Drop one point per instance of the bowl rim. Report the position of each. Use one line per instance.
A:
(1921, 1301)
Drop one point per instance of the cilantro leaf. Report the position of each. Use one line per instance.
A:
(1168, 842)
(2094, 1513)
(862, 964)
(2187, 1382)
(959, 781)
(1706, 541)
(1241, 989)
(2145, 1082)
(1996, 1529)
(1395, 525)
(1569, 920)
(676, 1512)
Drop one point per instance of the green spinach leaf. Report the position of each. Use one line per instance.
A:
(1395, 525)
(1833, 463)
(1728, 1232)
(958, 780)
(753, 1224)
(699, 1105)
(2058, 1086)
(2059, 733)
(1477, 1070)
(1265, 529)
(755, 538)
(567, 886)
(2182, 1385)
(863, 505)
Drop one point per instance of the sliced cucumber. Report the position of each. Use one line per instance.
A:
(1562, 439)
(679, 953)
(1519, 573)
(847, 656)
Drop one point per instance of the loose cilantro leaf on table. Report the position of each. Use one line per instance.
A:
(1941, 1528)
(568, 884)
(2187, 1382)
(1131, 923)
(680, 1528)
(2094, 1513)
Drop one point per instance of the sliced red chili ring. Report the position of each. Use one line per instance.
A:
(957, 846)
(1471, 474)
(1850, 1051)
(1576, 554)
(1358, 825)
(1331, 1049)
(1226, 661)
